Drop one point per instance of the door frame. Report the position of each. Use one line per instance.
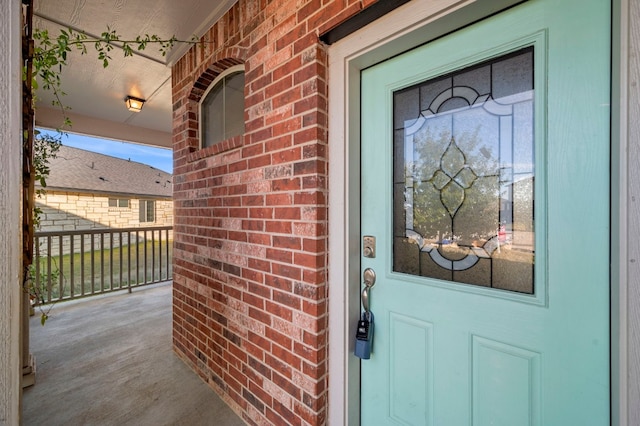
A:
(402, 29)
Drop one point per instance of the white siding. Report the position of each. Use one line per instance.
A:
(10, 237)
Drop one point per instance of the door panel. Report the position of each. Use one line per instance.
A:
(505, 383)
(410, 361)
(525, 344)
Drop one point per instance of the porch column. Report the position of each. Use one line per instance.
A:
(10, 233)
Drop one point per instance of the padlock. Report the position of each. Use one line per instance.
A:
(364, 336)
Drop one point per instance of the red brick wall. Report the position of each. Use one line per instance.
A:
(250, 291)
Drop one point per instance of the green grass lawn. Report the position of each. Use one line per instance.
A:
(130, 265)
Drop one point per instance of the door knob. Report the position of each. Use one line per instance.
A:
(369, 278)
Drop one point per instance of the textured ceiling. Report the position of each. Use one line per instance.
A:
(95, 95)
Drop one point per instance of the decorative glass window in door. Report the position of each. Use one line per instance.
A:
(464, 175)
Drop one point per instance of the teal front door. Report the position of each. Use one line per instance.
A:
(485, 212)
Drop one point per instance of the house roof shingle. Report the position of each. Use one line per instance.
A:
(78, 170)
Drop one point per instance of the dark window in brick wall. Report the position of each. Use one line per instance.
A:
(222, 110)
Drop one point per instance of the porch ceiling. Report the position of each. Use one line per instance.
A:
(95, 95)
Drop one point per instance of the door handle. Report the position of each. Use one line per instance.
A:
(369, 278)
(364, 330)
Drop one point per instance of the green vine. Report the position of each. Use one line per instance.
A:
(45, 148)
(39, 287)
(48, 59)
(50, 55)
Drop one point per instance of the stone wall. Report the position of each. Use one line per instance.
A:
(71, 211)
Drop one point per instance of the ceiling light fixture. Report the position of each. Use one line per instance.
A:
(134, 104)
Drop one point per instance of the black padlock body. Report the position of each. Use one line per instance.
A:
(362, 332)
(364, 336)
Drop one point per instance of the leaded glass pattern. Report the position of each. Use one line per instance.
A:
(464, 175)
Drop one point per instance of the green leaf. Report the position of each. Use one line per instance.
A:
(43, 318)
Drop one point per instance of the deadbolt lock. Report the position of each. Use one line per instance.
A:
(369, 246)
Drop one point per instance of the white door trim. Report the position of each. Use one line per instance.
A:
(625, 264)
(408, 26)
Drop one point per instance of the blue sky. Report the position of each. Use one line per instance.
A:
(160, 158)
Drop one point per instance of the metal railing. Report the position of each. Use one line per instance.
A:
(73, 264)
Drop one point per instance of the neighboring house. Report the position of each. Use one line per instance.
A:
(86, 190)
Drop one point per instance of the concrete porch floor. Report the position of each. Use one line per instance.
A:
(108, 360)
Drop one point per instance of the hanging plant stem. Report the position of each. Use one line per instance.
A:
(44, 58)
